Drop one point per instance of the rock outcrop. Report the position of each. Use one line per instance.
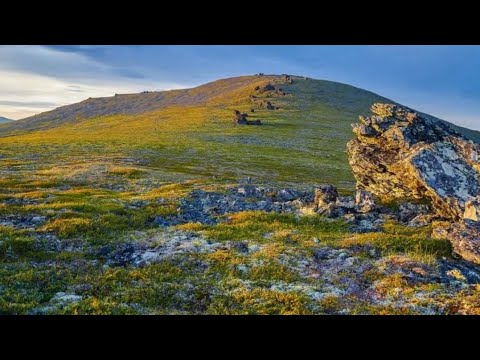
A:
(241, 119)
(400, 154)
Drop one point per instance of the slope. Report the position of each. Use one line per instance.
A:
(4, 120)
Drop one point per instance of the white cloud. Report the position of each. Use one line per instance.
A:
(32, 75)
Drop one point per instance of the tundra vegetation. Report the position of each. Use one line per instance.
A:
(171, 209)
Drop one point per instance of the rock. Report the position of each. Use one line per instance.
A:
(287, 195)
(365, 226)
(325, 195)
(62, 298)
(399, 154)
(241, 119)
(409, 211)
(266, 88)
(464, 237)
(421, 220)
(240, 246)
(38, 220)
(324, 254)
(268, 105)
(472, 210)
(247, 190)
(364, 201)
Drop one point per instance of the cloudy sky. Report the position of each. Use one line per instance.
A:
(440, 80)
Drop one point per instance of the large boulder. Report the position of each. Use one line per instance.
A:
(400, 154)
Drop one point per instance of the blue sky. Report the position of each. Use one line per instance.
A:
(440, 80)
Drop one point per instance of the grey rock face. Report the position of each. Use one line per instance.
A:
(401, 155)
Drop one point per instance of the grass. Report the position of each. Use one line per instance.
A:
(398, 239)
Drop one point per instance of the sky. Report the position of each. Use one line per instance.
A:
(443, 81)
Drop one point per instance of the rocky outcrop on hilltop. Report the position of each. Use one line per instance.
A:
(399, 154)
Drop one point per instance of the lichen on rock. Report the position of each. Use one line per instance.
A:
(401, 155)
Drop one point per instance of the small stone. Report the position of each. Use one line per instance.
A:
(242, 268)
(364, 201)
(287, 195)
(38, 219)
(240, 246)
(325, 195)
(62, 298)
(472, 210)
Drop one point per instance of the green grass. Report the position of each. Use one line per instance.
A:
(399, 239)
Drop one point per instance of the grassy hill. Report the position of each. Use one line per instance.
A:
(4, 120)
(189, 134)
(185, 134)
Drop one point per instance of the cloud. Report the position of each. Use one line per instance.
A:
(37, 78)
(30, 104)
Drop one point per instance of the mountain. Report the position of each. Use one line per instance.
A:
(189, 133)
(4, 120)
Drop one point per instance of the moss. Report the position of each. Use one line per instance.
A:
(260, 302)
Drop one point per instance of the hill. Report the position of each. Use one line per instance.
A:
(141, 204)
(4, 120)
(188, 133)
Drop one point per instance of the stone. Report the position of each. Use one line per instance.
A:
(268, 105)
(364, 201)
(464, 237)
(399, 154)
(62, 298)
(409, 211)
(287, 195)
(324, 195)
(241, 119)
(421, 220)
(266, 88)
(38, 220)
(472, 210)
(240, 246)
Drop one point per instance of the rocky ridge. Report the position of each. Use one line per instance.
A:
(399, 154)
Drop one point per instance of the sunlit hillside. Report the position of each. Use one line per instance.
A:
(191, 133)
